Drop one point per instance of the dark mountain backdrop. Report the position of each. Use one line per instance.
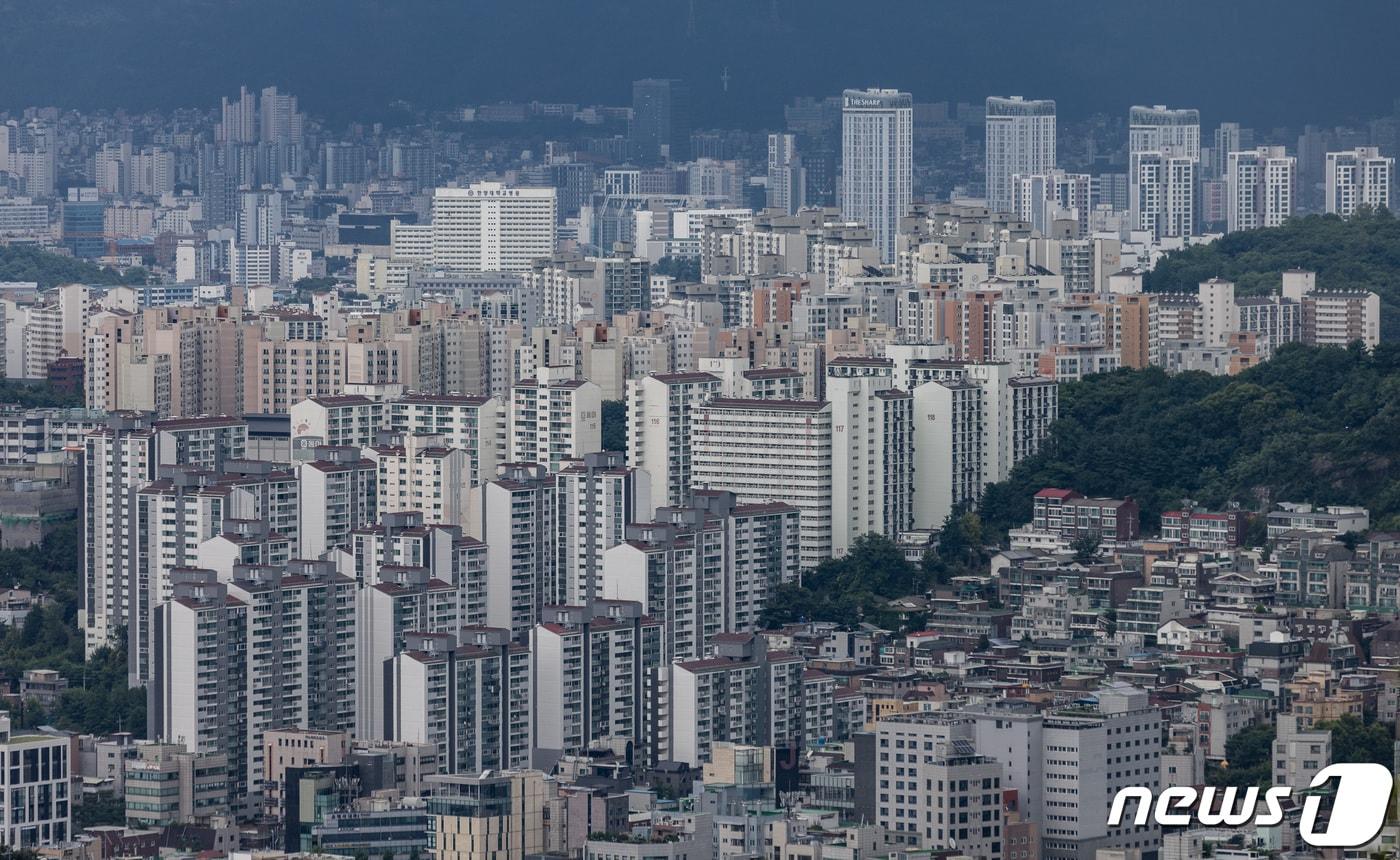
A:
(1261, 62)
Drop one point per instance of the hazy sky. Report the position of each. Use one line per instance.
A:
(1263, 62)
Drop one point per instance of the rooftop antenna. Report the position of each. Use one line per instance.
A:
(690, 22)
(724, 79)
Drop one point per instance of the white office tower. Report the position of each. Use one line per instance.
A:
(770, 450)
(518, 522)
(1259, 188)
(338, 492)
(1164, 152)
(660, 409)
(1162, 193)
(877, 178)
(1068, 765)
(596, 678)
(467, 694)
(554, 416)
(964, 812)
(1020, 139)
(872, 459)
(489, 227)
(121, 459)
(787, 178)
(598, 496)
(1359, 177)
(406, 599)
(38, 803)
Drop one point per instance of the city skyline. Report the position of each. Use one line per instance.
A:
(697, 431)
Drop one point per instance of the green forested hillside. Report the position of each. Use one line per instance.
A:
(97, 699)
(25, 263)
(1313, 424)
(1361, 253)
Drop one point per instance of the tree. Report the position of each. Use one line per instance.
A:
(37, 394)
(615, 425)
(960, 545)
(1354, 741)
(306, 287)
(99, 810)
(28, 263)
(1086, 548)
(1311, 424)
(683, 269)
(857, 586)
(1356, 253)
(1248, 759)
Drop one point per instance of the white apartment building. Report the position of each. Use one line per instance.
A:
(401, 539)
(675, 570)
(877, 179)
(300, 652)
(419, 473)
(1162, 192)
(763, 549)
(1298, 753)
(597, 498)
(1020, 139)
(1219, 315)
(554, 416)
(469, 695)
(515, 517)
(1260, 186)
(338, 492)
(336, 420)
(770, 450)
(27, 433)
(199, 686)
(872, 459)
(596, 675)
(1164, 154)
(660, 411)
(949, 445)
(787, 179)
(744, 695)
(1359, 177)
(175, 514)
(1339, 317)
(120, 459)
(1035, 404)
(489, 227)
(1159, 128)
(404, 600)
